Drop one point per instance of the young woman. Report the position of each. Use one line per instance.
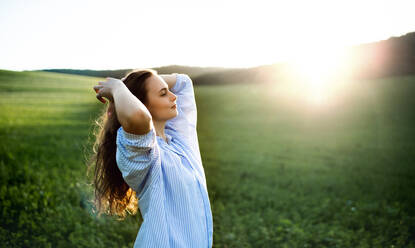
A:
(148, 150)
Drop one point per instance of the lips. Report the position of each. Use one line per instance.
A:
(174, 106)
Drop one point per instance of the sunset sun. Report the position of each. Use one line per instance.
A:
(317, 69)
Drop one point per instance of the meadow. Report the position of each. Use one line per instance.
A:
(281, 171)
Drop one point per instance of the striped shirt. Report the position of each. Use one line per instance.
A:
(168, 178)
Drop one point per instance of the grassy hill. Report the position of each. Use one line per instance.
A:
(281, 172)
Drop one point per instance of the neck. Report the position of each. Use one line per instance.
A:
(159, 127)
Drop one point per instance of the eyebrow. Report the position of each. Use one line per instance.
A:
(163, 89)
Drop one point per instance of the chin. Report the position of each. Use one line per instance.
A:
(173, 114)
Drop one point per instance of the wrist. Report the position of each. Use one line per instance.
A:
(117, 90)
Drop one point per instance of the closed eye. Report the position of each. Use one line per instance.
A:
(164, 90)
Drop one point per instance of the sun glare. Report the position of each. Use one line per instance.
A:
(318, 71)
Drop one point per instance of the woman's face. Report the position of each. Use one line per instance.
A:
(161, 102)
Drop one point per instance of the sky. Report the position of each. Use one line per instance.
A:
(82, 34)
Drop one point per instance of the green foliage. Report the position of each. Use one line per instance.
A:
(45, 198)
(280, 172)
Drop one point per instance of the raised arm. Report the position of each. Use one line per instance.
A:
(170, 79)
(133, 116)
(184, 124)
(137, 155)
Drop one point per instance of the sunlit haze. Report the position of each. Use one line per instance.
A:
(130, 34)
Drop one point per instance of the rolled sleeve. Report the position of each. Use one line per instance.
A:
(136, 156)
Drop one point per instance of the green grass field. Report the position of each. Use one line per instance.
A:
(281, 172)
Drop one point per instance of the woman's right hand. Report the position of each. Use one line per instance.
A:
(107, 88)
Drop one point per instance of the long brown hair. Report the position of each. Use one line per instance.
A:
(112, 194)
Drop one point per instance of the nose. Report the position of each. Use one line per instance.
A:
(173, 96)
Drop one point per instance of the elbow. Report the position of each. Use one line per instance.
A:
(140, 124)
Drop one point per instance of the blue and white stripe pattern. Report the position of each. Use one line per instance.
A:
(169, 178)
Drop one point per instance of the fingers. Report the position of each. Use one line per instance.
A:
(100, 86)
(97, 87)
(98, 96)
